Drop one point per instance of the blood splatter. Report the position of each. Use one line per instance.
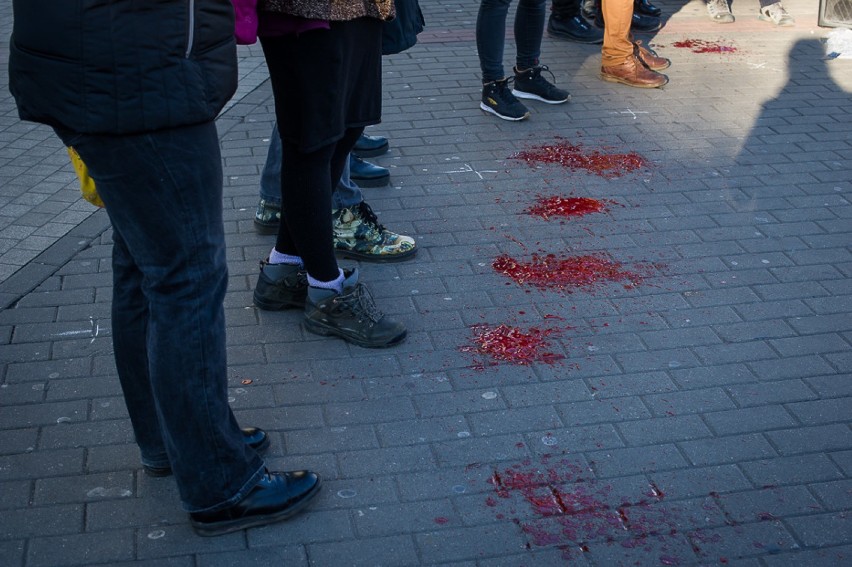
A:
(511, 344)
(569, 510)
(547, 207)
(702, 46)
(576, 158)
(441, 520)
(578, 272)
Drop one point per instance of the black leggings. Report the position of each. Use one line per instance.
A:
(307, 180)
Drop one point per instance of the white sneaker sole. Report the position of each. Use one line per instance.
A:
(530, 96)
(487, 108)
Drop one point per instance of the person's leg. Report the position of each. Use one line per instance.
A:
(564, 9)
(491, 38)
(616, 44)
(270, 177)
(267, 217)
(306, 229)
(529, 27)
(170, 232)
(130, 321)
(347, 193)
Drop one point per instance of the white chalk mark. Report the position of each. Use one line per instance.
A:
(468, 169)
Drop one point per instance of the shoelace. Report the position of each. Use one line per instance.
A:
(360, 301)
(366, 213)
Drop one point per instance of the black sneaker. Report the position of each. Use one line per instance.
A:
(498, 99)
(574, 29)
(351, 315)
(530, 84)
(280, 286)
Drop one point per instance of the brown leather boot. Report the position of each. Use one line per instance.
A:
(649, 57)
(632, 72)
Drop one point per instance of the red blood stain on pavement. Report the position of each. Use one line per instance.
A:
(572, 272)
(511, 344)
(547, 207)
(570, 510)
(702, 46)
(576, 158)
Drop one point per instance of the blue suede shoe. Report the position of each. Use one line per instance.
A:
(366, 174)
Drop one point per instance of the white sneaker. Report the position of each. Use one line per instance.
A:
(776, 14)
(719, 11)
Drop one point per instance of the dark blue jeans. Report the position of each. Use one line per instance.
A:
(163, 194)
(491, 35)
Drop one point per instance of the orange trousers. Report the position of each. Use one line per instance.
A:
(617, 42)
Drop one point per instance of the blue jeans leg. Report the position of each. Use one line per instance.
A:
(270, 177)
(163, 194)
(347, 193)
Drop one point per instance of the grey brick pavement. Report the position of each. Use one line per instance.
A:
(701, 416)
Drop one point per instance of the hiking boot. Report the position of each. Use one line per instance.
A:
(358, 235)
(267, 218)
(720, 12)
(649, 57)
(280, 286)
(776, 14)
(573, 29)
(530, 84)
(633, 73)
(351, 315)
(498, 99)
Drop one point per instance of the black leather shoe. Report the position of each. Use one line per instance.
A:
(366, 174)
(370, 146)
(574, 29)
(255, 437)
(640, 23)
(645, 8)
(278, 496)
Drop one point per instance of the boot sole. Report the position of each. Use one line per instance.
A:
(277, 305)
(326, 331)
(575, 39)
(265, 229)
(625, 82)
(222, 528)
(371, 182)
(380, 151)
(374, 258)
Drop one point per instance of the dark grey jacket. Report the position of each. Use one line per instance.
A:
(122, 66)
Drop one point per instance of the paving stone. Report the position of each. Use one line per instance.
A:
(813, 467)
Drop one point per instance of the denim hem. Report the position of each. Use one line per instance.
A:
(241, 493)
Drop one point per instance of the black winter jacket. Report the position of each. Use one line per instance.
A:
(122, 66)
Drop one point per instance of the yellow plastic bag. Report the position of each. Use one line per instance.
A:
(87, 184)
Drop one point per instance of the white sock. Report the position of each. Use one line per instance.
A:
(276, 257)
(335, 284)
